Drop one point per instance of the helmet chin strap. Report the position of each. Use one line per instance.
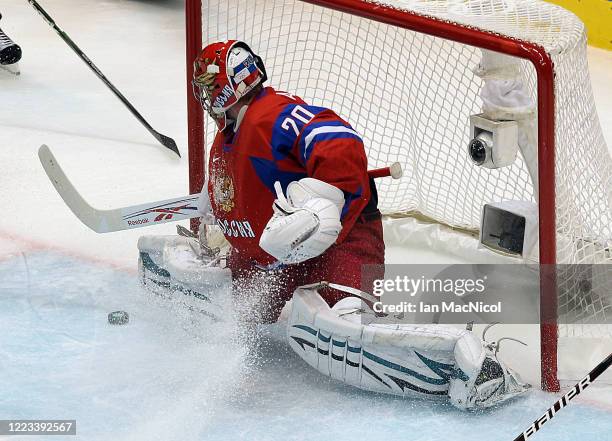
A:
(240, 117)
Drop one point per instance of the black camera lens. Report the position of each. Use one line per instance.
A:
(478, 151)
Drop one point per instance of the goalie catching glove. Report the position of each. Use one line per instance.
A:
(305, 223)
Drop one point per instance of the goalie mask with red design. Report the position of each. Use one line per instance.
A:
(224, 73)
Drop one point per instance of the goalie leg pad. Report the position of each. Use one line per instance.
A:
(485, 380)
(405, 360)
(427, 361)
(169, 267)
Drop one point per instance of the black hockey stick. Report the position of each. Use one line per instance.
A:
(565, 399)
(164, 140)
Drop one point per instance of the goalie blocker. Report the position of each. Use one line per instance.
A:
(428, 361)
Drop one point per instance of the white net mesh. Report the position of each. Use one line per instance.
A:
(410, 95)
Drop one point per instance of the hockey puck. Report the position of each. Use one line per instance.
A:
(118, 318)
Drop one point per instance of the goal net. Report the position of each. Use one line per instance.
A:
(405, 74)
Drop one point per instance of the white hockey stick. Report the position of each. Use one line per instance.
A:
(104, 221)
(142, 215)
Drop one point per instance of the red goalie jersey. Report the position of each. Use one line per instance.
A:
(281, 138)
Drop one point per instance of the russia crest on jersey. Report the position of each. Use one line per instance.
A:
(223, 193)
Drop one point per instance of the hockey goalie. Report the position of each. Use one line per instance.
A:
(289, 189)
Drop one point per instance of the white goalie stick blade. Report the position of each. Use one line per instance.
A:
(105, 221)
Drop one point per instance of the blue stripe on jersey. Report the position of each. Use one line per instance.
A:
(268, 173)
(313, 126)
(324, 131)
(283, 138)
(348, 200)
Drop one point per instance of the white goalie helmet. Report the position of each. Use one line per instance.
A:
(224, 73)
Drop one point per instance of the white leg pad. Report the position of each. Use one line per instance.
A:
(427, 361)
(406, 360)
(169, 267)
(481, 379)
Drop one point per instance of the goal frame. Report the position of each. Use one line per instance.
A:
(525, 50)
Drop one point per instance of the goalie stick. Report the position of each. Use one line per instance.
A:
(141, 215)
(104, 221)
(163, 139)
(565, 399)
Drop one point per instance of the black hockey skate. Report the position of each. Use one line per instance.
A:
(10, 52)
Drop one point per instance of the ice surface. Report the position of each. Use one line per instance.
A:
(167, 377)
(164, 376)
